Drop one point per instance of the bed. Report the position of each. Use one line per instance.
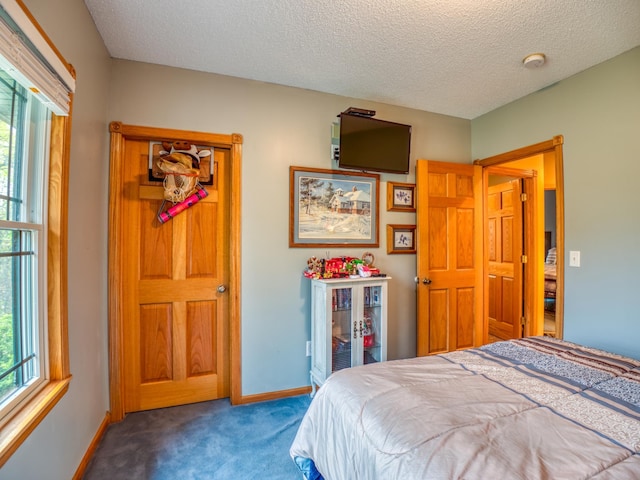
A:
(533, 408)
(550, 279)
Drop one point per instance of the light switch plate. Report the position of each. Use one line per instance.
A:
(574, 258)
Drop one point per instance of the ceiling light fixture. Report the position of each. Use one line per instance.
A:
(534, 60)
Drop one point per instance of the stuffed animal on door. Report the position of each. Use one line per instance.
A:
(180, 162)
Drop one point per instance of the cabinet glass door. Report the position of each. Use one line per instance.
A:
(341, 328)
(370, 327)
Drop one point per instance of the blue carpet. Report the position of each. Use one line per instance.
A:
(209, 440)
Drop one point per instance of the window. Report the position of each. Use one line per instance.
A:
(23, 165)
(36, 87)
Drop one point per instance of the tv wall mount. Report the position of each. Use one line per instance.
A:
(358, 112)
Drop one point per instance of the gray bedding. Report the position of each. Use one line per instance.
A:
(535, 408)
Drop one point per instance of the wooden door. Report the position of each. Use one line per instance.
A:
(504, 251)
(175, 319)
(449, 256)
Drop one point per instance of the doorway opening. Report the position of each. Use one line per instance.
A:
(543, 241)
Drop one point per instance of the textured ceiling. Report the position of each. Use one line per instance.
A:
(455, 57)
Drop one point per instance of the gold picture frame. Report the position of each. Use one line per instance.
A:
(401, 239)
(333, 208)
(401, 197)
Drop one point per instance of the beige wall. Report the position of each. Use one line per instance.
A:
(61, 440)
(596, 111)
(282, 126)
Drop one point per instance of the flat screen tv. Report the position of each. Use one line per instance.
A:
(370, 144)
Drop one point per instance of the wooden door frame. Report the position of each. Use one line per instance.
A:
(120, 133)
(554, 146)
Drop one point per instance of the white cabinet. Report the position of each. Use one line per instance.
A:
(348, 324)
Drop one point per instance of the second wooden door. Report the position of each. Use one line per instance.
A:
(505, 249)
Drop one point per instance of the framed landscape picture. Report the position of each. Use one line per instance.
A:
(333, 208)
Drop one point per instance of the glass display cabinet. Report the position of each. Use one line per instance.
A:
(348, 324)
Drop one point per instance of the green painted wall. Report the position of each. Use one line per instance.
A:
(598, 113)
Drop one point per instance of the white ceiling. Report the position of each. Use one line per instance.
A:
(455, 57)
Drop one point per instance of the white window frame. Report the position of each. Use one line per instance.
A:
(46, 73)
(35, 165)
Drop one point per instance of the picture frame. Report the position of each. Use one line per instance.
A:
(333, 208)
(401, 239)
(401, 197)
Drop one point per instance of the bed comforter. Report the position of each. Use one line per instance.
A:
(535, 408)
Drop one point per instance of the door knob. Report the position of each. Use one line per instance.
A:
(426, 281)
(221, 288)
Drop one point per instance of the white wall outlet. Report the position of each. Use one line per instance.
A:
(308, 348)
(574, 258)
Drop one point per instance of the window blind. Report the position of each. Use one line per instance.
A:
(27, 56)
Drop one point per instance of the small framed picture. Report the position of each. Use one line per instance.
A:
(401, 197)
(401, 239)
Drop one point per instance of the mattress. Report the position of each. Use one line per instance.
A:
(534, 408)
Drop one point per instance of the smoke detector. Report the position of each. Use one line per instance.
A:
(535, 60)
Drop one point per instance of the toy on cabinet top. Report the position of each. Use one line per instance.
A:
(339, 267)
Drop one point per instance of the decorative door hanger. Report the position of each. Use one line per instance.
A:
(179, 162)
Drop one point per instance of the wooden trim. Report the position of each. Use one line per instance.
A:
(478, 324)
(422, 255)
(485, 255)
(511, 172)
(93, 446)
(57, 236)
(120, 132)
(18, 429)
(523, 152)
(533, 245)
(136, 132)
(559, 239)
(235, 279)
(116, 340)
(261, 397)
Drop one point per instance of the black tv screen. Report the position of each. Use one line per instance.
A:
(369, 144)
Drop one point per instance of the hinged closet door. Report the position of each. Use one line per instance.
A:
(175, 299)
(449, 256)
